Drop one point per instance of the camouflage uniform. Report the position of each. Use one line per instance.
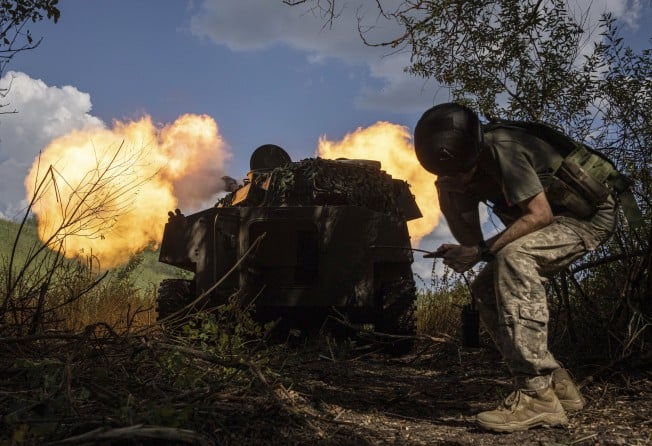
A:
(510, 290)
(511, 296)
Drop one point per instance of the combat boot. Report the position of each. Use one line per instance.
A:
(524, 409)
(566, 390)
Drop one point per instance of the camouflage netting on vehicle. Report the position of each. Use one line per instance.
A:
(318, 182)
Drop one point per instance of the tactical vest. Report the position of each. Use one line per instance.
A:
(584, 178)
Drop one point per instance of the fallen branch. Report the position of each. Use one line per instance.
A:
(80, 335)
(139, 431)
(371, 333)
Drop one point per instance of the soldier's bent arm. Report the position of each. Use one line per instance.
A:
(536, 215)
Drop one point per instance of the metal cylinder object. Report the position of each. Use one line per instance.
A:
(470, 327)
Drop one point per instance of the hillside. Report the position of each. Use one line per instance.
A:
(147, 275)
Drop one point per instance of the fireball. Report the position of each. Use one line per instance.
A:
(391, 145)
(105, 193)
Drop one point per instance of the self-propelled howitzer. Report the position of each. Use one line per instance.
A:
(300, 239)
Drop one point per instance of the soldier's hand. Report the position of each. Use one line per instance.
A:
(459, 258)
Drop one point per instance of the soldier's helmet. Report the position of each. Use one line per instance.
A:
(447, 139)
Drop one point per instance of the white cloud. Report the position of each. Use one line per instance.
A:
(400, 91)
(43, 113)
(260, 24)
(629, 11)
(12, 175)
(234, 24)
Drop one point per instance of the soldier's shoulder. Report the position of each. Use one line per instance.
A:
(497, 133)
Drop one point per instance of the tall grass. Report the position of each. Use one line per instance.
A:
(440, 302)
(70, 294)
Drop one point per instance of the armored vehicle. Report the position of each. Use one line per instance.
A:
(300, 240)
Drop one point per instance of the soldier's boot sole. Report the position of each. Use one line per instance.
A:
(544, 419)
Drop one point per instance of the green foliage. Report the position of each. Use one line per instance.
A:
(20, 11)
(518, 53)
(227, 331)
(15, 36)
(226, 336)
(624, 91)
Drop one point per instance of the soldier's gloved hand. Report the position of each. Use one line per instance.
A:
(459, 258)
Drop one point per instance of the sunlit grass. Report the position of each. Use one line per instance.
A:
(79, 293)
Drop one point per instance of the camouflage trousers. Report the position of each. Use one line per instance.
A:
(511, 297)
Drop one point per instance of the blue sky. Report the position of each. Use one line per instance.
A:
(158, 58)
(265, 72)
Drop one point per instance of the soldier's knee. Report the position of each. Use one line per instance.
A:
(511, 254)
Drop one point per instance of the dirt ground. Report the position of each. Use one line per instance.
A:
(431, 397)
(122, 391)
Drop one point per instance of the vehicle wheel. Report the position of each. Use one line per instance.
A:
(398, 315)
(173, 295)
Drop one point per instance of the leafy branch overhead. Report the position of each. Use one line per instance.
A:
(15, 35)
(527, 59)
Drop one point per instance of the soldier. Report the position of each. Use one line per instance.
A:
(509, 169)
